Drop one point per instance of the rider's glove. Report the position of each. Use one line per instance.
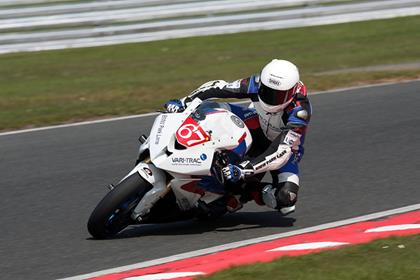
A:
(174, 106)
(234, 173)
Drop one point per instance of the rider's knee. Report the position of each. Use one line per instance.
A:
(287, 194)
(284, 195)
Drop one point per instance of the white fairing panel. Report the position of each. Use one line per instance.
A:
(187, 199)
(184, 145)
(155, 177)
(148, 172)
(219, 130)
(164, 127)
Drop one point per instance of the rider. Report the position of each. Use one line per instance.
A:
(277, 118)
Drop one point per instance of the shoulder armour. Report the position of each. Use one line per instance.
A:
(303, 114)
(299, 116)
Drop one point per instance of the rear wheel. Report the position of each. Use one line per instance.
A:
(113, 213)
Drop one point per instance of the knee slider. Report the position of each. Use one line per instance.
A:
(287, 194)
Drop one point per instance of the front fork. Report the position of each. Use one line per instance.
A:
(158, 179)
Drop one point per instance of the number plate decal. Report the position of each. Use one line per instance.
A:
(191, 133)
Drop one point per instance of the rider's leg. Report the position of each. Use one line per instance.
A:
(282, 195)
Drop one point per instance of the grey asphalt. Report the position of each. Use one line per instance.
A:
(362, 156)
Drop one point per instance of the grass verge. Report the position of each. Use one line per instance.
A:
(53, 87)
(392, 258)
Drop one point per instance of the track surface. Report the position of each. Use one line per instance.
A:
(362, 156)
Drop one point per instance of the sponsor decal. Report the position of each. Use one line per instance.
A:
(270, 160)
(234, 85)
(274, 82)
(186, 161)
(160, 128)
(237, 121)
(191, 133)
(292, 138)
(148, 171)
(208, 85)
(203, 157)
(250, 114)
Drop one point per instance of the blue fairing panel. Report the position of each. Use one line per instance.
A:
(240, 149)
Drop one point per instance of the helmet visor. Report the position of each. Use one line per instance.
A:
(271, 96)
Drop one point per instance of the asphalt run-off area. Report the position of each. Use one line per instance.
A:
(361, 157)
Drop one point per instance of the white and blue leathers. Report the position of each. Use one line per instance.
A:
(278, 136)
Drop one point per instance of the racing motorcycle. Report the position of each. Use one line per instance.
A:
(183, 150)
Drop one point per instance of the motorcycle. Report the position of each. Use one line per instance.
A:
(182, 151)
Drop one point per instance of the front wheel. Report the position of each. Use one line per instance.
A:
(113, 213)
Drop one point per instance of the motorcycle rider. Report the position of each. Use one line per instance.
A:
(277, 118)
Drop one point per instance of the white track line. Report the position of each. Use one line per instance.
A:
(309, 246)
(76, 124)
(155, 113)
(238, 244)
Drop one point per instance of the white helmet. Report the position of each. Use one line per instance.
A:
(277, 84)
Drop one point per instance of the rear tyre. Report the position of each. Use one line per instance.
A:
(113, 213)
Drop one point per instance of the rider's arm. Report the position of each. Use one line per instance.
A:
(242, 88)
(277, 154)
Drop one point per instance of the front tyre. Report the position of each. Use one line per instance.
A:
(113, 213)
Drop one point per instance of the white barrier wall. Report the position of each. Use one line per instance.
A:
(57, 24)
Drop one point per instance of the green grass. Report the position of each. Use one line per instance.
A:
(68, 85)
(379, 260)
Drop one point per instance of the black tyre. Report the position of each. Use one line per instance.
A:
(113, 213)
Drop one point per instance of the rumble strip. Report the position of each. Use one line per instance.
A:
(328, 236)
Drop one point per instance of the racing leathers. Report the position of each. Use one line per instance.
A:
(278, 137)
